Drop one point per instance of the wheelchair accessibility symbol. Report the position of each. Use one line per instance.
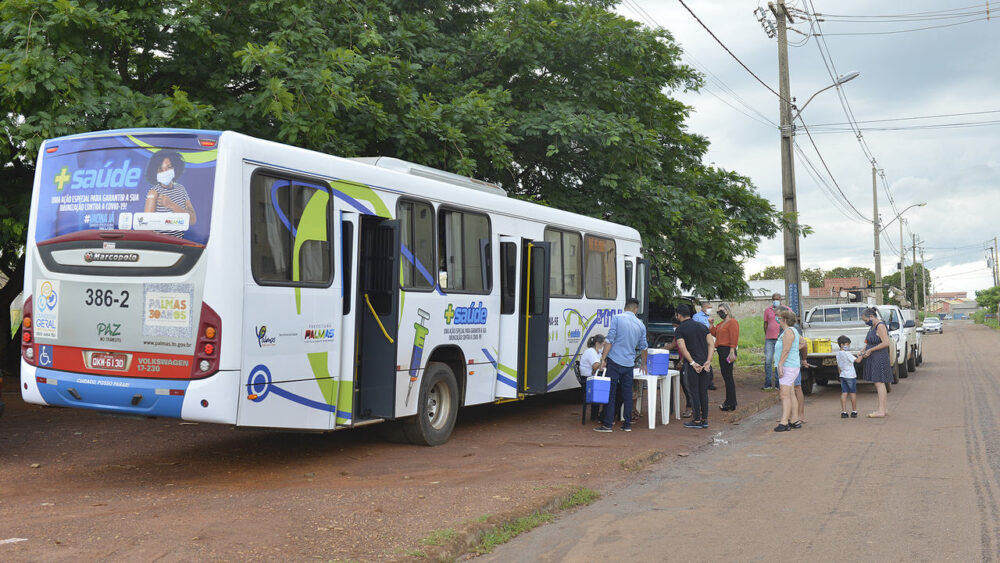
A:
(45, 355)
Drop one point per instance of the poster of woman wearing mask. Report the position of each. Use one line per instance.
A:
(167, 195)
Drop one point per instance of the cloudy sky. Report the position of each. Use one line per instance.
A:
(939, 71)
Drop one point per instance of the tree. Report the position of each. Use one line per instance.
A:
(562, 102)
(814, 276)
(851, 272)
(989, 298)
(770, 273)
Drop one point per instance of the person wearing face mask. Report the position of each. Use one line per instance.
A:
(875, 358)
(590, 364)
(167, 195)
(771, 330)
(727, 340)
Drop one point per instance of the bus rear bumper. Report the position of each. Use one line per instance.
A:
(212, 399)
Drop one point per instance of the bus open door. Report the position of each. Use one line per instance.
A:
(533, 336)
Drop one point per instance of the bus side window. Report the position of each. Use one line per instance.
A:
(284, 213)
(508, 277)
(566, 270)
(347, 254)
(416, 237)
(601, 273)
(463, 251)
(628, 279)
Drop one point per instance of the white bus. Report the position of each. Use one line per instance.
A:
(210, 276)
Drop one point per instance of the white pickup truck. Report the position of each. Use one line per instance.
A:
(832, 321)
(915, 339)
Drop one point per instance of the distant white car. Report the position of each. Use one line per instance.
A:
(933, 324)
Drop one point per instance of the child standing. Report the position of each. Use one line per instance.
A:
(848, 377)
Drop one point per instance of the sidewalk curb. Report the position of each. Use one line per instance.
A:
(469, 534)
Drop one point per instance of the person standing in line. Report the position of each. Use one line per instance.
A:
(696, 346)
(590, 363)
(786, 349)
(876, 366)
(727, 340)
(626, 335)
(679, 366)
(771, 330)
(848, 376)
(704, 316)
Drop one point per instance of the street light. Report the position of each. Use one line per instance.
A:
(900, 215)
(878, 256)
(789, 207)
(843, 78)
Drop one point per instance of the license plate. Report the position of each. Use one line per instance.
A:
(103, 360)
(829, 361)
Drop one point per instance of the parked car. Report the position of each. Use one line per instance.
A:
(830, 322)
(933, 324)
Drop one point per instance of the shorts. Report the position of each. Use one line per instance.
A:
(848, 385)
(790, 376)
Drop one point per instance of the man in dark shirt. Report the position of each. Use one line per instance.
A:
(696, 346)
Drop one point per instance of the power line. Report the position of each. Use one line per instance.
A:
(907, 30)
(887, 120)
(731, 54)
(913, 14)
(724, 89)
(827, 168)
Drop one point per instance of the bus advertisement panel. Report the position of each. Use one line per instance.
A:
(131, 182)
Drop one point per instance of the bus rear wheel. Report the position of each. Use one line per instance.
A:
(437, 407)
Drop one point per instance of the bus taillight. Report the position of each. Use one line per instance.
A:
(27, 333)
(206, 350)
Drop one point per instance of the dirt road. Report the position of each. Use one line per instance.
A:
(921, 485)
(76, 485)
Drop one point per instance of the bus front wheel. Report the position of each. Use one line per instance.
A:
(437, 409)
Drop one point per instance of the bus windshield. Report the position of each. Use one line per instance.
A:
(152, 182)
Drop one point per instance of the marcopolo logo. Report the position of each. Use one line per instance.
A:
(263, 339)
(471, 315)
(92, 256)
(108, 176)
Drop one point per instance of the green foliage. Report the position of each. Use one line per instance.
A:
(506, 532)
(439, 537)
(769, 273)
(979, 317)
(580, 497)
(851, 272)
(563, 102)
(988, 299)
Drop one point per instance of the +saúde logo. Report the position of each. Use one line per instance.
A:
(474, 314)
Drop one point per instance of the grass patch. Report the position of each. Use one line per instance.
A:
(506, 532)
(979, 317)
(415, 553)
(752, 332)
(439, 537)
(637, 462)
(582, 497)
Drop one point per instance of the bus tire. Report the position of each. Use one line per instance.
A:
(437, 407)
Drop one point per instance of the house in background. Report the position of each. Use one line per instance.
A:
(956, 308)
(833, 286)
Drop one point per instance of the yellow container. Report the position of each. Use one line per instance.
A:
(822, 346)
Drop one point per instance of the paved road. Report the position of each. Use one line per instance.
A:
(921, 485)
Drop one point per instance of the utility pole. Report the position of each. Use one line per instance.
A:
(875, 222)
(923, 274)
(902, 261)
(789, 206)
(913, 270)
(996, 267)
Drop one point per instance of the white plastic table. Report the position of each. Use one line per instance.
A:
(653, 383)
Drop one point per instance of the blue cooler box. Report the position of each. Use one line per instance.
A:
(658, 364)
(598, 389)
